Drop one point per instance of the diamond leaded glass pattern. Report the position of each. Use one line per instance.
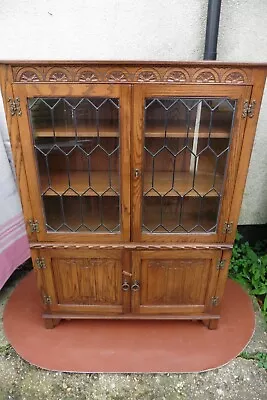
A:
(186, 148)
(77, 149)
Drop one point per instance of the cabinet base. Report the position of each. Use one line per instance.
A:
(210, 321)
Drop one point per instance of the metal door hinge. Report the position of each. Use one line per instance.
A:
(248, 109)
(40, 263)
(14, 106)
(220, 264)
(251, 109)
(228, 227)
(34, 225)
(215, 301)
(47, 299)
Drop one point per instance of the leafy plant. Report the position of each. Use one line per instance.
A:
(260, 357)
(262, 360)
(249, 268)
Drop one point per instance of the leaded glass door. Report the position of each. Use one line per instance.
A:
(187, 144)
(75, 143)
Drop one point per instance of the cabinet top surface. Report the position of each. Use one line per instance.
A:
(140, 63)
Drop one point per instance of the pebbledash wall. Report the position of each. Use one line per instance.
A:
(144, 30)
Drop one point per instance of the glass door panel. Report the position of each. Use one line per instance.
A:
(77, 150)
(186, 146)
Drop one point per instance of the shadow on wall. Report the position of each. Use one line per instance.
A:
(253, 233)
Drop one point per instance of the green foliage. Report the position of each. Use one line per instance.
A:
(262, 360)
(260, 357)
(249, 268)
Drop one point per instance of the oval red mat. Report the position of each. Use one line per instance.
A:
(126, 346)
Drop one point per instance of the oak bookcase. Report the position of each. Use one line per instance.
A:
(131, 177)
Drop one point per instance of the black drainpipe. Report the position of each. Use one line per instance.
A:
(213, 18)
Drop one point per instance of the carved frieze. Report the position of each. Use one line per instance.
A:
(175, 264)
(86, 75)
(117, 76)
(206, 76)
(58, 75)
(235, 77)
(29, 75)
(131, 74)
(147, 75)
(177, 75)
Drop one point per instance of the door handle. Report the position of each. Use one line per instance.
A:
(125, 286)
(135, 286)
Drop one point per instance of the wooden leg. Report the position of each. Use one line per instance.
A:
(211, 323)
(51, 323)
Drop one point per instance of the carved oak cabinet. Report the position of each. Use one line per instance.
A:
(131, 177)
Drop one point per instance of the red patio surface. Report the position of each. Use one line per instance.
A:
(126, 346)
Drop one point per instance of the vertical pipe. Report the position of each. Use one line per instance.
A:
(212, 29)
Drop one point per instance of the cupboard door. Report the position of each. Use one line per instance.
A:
(83, 281)
(75, 141)
(175, 282)
(187, 142)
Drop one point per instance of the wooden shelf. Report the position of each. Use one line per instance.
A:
(106, 130)
(80, 182)
(100, 183)
(153, 129)
(174, 130)
(183, 182)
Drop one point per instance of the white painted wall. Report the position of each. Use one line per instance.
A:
(243, 37)
(102, 29)
(144, 30)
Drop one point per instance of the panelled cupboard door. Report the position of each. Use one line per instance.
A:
(186, 145)
(83, 281)
(76, 145)
(180, 282)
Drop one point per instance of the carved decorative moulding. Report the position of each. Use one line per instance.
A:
(58, 76)
(177, 75)
(147, 75)
(29, 75)
(234, 77)
(91, 262)
(130, 246)
(207, 76)
(130, 74)
(86, 75)
(117, 76)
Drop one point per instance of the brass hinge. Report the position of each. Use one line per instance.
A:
(40, 263)
(228, 227)
(215, 301)
(47, 299)
(248, 109)
(14, 106)
(220, 264)
(34, 225)
(251, 109)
